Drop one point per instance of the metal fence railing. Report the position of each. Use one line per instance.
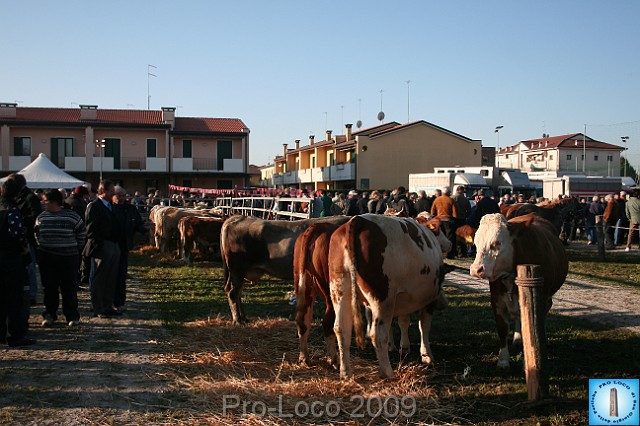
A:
(267, 207)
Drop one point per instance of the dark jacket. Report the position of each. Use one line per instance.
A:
(101, 225)
(30, 207)
(78, 205)
(129, 221)
(483, 207)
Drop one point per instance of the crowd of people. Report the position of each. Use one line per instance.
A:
(621, 218)
(83, 238)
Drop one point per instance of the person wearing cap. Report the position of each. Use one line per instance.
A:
(484, 205)
(445, 209)
(352, 207)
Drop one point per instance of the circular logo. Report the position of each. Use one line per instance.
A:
(613, 401)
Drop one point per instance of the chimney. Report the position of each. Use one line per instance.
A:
(8, 110)
(284, 149)
(311, 139)
(297, 142)
(169, 116)
(329, 134)
(347, 131)
(88, 112)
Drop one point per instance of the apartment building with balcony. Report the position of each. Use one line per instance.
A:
(141, 149)
(573, 153)
(382, 156)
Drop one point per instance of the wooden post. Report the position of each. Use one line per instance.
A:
(600, 235)
(532, 317)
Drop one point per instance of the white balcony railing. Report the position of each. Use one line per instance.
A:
(321, 174)
(343, 171)
(305, 175)
(19, 162)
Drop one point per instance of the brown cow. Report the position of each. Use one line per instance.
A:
(251, 247)
(396, 267)
(501, 246)
(310, 277)
(201, 231)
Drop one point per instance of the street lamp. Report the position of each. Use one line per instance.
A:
(100, 143)
(498, 132)
(625, 139)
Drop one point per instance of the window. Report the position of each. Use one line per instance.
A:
(152, 148)
(364, 183)
(595, 158)
(22, 146)
(582, 157)
(551, 157)
(609, 157)
(60, 148)
(568, 157)
(186, 148)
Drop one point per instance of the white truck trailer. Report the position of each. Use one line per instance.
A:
(581, 186)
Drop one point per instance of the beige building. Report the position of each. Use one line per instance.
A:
(378, 157)
(565, 153)
(140, 149)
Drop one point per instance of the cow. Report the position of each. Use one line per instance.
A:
(310, 277)
(251, 247)
(166, 225)
(501, 245)
(393, 265)
(465, 235)
(560, 212)
(198, 230)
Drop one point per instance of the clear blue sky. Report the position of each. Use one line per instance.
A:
(531, 66)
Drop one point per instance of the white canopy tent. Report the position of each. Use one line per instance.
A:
(42, 173)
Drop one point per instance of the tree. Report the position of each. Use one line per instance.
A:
(630, 170)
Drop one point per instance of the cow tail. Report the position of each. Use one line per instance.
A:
(358, 324)
(225, 266)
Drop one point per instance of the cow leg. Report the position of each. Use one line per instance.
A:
(380, 338)
(426, 315)
(367, 314)
(404, 321)
(233, 288)
(329, 336)
(499, 305)
(304, 314)
(342, 327)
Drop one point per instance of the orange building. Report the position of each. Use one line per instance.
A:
(143, 150)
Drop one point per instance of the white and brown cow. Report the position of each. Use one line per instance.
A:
(200, 231)
(166, 221)
(393, 265)
(251, 247)
(501, 246)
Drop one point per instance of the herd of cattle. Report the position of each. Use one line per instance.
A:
(394, 266)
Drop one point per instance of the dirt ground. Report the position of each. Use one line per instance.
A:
(108, 371)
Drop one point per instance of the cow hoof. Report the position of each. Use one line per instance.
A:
(426, 360)
(304, 359)
(503, 364)
(388, 375)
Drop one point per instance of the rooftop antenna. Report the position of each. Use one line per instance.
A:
(359, 122)
(381, 113)
(149, 74)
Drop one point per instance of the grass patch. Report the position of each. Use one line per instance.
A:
(209, 358)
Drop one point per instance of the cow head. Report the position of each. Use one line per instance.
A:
(434, 224)
(494, 247)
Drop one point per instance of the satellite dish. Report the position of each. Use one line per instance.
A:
(359, 124)
(381, 116)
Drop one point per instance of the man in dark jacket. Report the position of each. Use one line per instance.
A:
(484, 206)
(129, 221)
(103, 236)
(30, 207)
